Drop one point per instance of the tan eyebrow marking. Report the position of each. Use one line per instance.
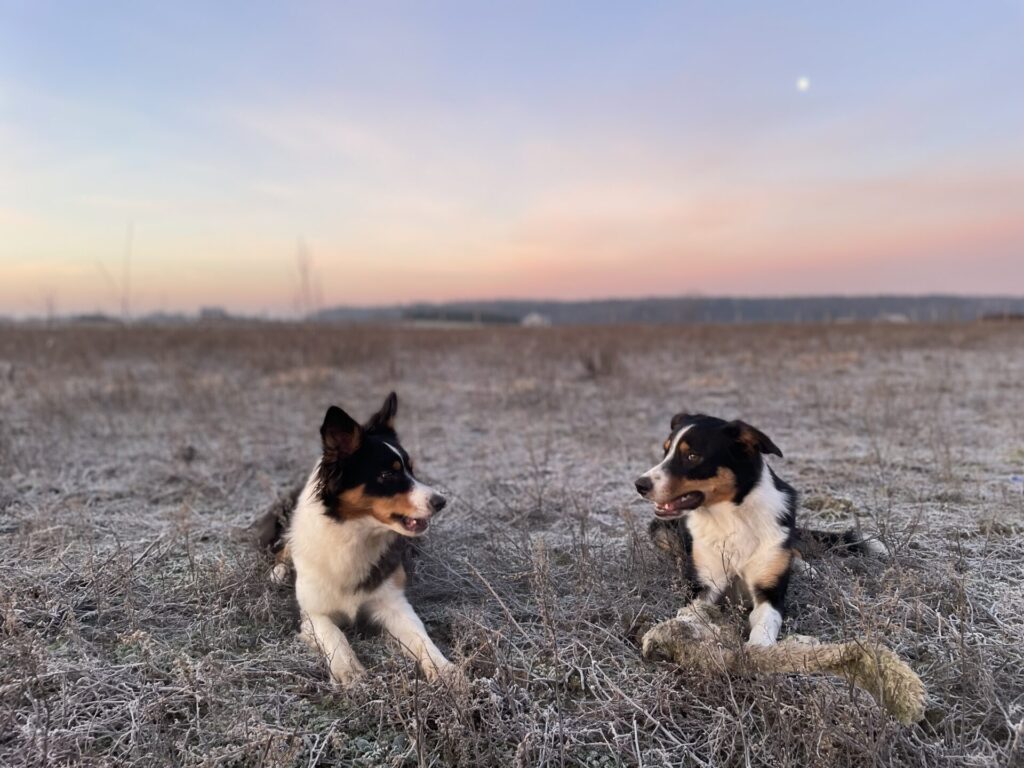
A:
(396, 466)
(401, 461)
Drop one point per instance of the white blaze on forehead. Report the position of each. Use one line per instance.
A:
(679, 436)
(396, 452)
(421, 492)
(673, 447)
(675, 444)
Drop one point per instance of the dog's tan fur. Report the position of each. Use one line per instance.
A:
(721, 487)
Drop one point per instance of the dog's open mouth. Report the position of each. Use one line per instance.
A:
(412, 524)
(681, 504)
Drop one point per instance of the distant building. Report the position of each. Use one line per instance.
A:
(893, 317)
(535, 320)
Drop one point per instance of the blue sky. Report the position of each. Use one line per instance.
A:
(472, 150)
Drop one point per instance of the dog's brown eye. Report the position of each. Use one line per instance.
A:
(383, 477)
(692, 457)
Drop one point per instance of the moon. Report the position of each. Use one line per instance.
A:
(803, 83)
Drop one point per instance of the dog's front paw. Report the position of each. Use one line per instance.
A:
(701, 615)
(452, 675)
(439, 669)
(346, 673)
(279, 574)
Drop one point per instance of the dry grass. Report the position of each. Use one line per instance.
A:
(137, 628)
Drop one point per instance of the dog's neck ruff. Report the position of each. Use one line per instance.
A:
(764, 499)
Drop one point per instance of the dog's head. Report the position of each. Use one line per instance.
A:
(707, 461)
(365, 473)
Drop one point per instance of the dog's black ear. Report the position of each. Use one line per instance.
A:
(341, 435)
(679, 419)
(752, 438)
(384, 419)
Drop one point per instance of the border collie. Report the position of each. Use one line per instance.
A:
(736, 517)
(348, 539)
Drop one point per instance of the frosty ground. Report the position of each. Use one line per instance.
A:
(137, 626)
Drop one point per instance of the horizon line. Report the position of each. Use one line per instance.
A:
(285, 315)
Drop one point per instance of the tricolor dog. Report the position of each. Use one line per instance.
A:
(736, 517)
(347, 540)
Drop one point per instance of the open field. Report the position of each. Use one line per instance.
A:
(137, 626)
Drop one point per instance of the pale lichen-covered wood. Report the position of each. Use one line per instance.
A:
(694, 639)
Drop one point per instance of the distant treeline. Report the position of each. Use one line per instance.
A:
(660, 311)
(686, 310)
(452, 314)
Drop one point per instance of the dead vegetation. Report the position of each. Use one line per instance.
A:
(137, 626)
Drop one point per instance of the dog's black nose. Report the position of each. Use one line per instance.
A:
(437, 502)
(644, 484)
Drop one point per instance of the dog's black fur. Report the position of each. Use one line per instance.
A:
(728, 517)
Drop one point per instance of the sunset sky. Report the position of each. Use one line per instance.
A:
(435, 151)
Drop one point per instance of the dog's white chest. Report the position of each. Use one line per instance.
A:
(731, 540)
(332, 561)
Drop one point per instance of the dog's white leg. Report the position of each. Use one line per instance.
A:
(322, 634)
(765, 623)
(400, 621)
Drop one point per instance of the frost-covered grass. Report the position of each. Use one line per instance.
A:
(137, 626)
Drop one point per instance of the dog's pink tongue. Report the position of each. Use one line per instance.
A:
(415, 525)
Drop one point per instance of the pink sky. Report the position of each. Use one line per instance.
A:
(490, 154)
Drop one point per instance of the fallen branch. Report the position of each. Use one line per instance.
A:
(697, 641)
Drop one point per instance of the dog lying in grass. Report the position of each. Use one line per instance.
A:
(347, 539)
(728, 518)
(734, 517)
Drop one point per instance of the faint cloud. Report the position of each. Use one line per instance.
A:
(123, 204)
(276, 191)
(309, 134)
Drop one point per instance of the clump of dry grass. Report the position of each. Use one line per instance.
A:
(137, 628)
(599, 361)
